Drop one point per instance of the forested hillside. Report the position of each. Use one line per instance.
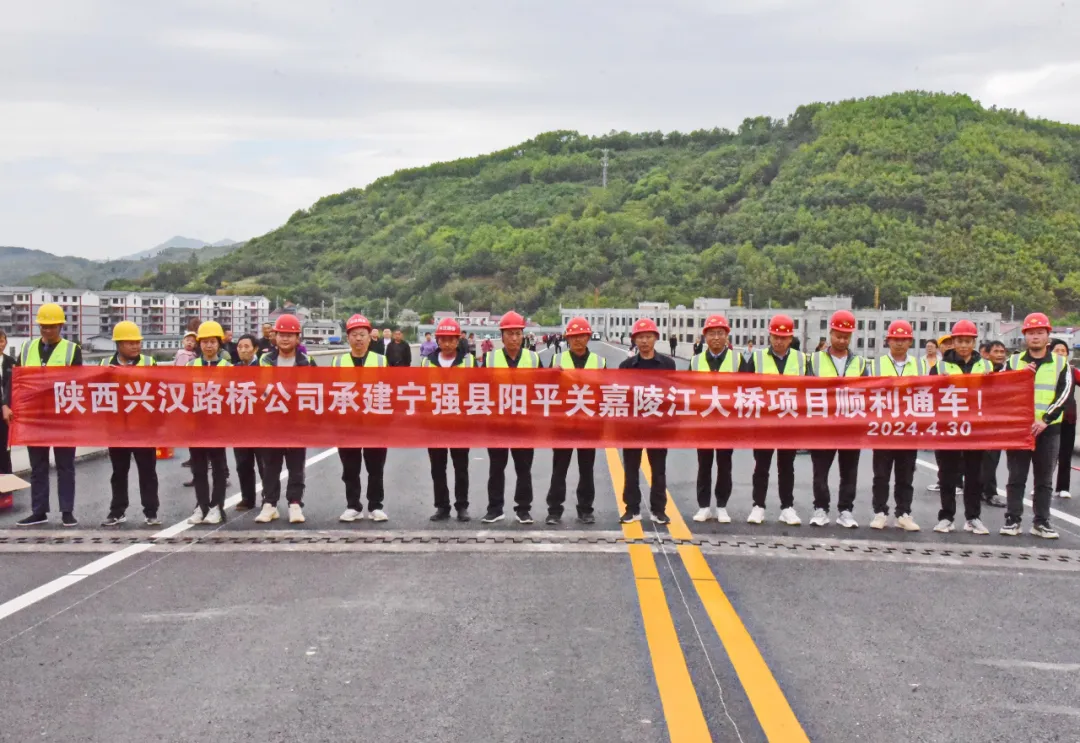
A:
(910, 193)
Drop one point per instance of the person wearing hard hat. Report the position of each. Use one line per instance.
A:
(898, 362)
(577, 356)
(450, 353)
(644, 335)
(128, 339)
(836, 360)
(512, 355)
(362, 353)
(287, 330)
(1053, 390)
(961, 358)
(778, 359)
(210, 504)
(51, 350)
(716, 357)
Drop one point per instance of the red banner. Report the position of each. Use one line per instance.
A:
(414, 407)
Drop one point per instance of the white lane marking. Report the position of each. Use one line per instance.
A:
(42, 592)
(1027, 501)
(1034, 664)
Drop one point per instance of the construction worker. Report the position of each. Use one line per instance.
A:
(898, 362)
(577, 356)
(997, 355)
(644, 335)
(943, 344)
(779, 358)
(210, 508)
(836, 360)
(450, 352)
(716, 358)
(1053, 390)
(361, 354)
(961, 358)
(512, 355)
(128, 339)
(248, 459)
(287, 330)
(51, 350)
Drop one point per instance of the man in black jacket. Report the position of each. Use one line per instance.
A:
(451, 353)
(398, 353)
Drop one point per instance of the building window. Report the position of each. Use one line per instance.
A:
(860, 344)
(922, 325)
(796, 323)
(824, 324)
(872, 342)
(861, 324)
(872, 326)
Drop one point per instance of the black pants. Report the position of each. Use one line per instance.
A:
(966, 464)
(822, 460)
(704, 477)
(351, 460)
(272, 460)
(1065, 455)
(586, 488)
(632, 486)
(247, 461)
(523, 490)
(5, 452)
(439, 459)
(146, 463)
(785, 475)
(39, 477)
(991, 460)
(202, 462)
(885, 461)
(1042, 460)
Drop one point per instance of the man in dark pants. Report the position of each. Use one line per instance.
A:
(577, 356)
(248, 459)
(7, 365)
(398, 353)
(128, 339)
(1063, 481)
(715, 358)
(449, 353)
(644, 334)
(51, 350)
(209, 461)
(996, 354)
(1053, 389)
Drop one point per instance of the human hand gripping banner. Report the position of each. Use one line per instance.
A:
(546, 408)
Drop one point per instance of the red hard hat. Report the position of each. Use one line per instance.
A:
(512, 321)
(782, 325)
(644, 325)
(716, 321)
(842, 321)
(448, 328)
(1037, 321)
(287, 324)
(578, 326)
(899, 330)
(357, 321)
(964, 329)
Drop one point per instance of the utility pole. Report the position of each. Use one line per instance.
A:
(751, 300)
(603, 170)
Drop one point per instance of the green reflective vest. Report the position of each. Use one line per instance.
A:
(62, 355)
(566, 361)
(1046, 379)
(201, 362)
(826, 367)
(982, 366)
(884, 367)
(700, 363)
(795, 367)
(372, 359)
(497, 359)
(144, 360)
(467, 361)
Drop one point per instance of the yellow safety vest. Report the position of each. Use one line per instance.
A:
(565, 360)
(981, 367)
(497, 359)
(62, 355)
(885, 367)
(855, 367)
(1046, 378)
(468, 361)
(201, 362)
(144, 360)
(700, 363)
(372, 359)
(795, 367)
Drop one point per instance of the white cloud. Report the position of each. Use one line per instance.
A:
(222, 40)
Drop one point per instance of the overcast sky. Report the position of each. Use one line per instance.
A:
(124, 122)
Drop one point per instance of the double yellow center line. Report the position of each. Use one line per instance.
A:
(682, 708)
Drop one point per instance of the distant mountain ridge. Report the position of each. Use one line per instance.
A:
(179, 241)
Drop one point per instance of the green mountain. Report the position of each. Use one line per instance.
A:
(911, 193)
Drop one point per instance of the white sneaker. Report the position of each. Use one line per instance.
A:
(846, 520)
(722, 516)
(379, 515)
(268, 513)
(907, 523)
(757, 515)
(933, 488)
(703, 514)
(213, 517)
(296, 514)
(1064, 494)
(820, 517)
(196, 518)
(879, 521)
(944, 526)
(975, 526)
(789, 517)
(350, 515)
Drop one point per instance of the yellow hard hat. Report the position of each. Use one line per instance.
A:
(944, 339)
(126, 331)
(210, 329)
(50, 314)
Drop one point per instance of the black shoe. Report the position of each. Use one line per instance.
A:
(186, 464)
(659, 518)
(68, 519)
(524, 518)
(243, 506)
(586, 518)
(441, 514)
(552, 519)
(463, 515)
(492, 516)
(114, 519)
(629, 518)
(189, 484)
(33, 520)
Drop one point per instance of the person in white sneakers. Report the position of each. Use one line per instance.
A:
(718, 359)
(897, 363)
(206, 460)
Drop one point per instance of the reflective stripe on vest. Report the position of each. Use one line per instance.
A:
(795, 367)
(947, 367)
(855, 364)
(62, 355)
(885, 367)
(700, 363)
(143, 361)
(468, 362)
(371, 360)
(497, 360)
(1046, 378)
(593, 361)
(200, 362)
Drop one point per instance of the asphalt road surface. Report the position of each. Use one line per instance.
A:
(414, 631)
